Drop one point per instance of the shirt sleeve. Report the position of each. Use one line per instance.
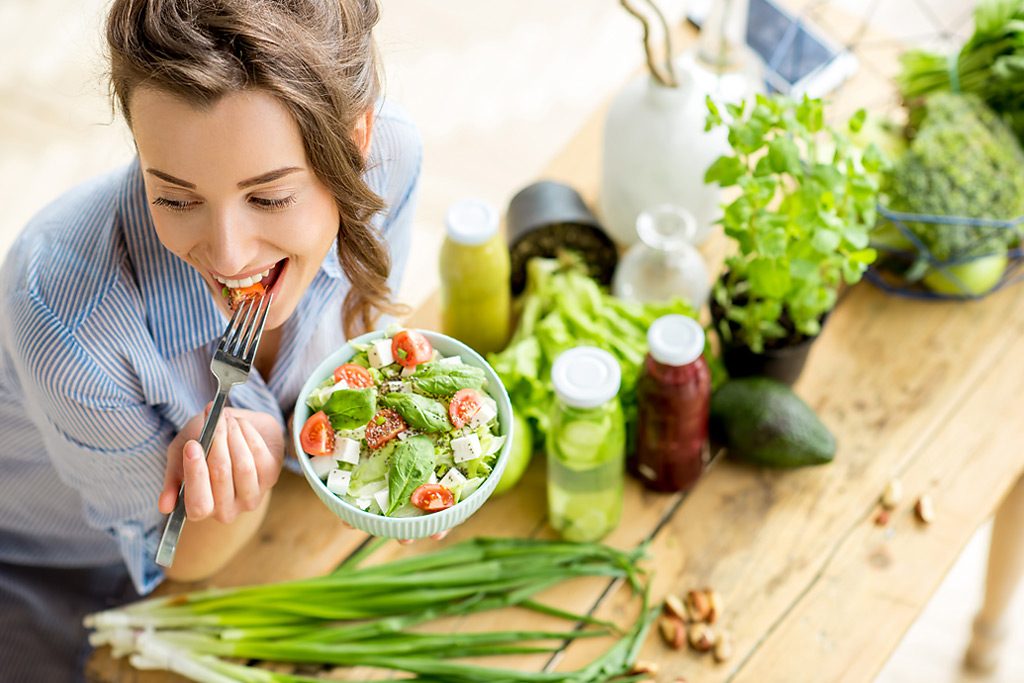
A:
(102, 438)
(396, 160)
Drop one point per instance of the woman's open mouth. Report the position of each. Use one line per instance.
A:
(238, 291)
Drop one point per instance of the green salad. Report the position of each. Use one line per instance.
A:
(400, 430)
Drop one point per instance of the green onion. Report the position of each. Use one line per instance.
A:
(360, 616)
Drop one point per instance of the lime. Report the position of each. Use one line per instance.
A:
(519, 456)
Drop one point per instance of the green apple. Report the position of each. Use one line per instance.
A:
(519, 456)
(978, 276)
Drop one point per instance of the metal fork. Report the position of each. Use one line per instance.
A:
(230, 364)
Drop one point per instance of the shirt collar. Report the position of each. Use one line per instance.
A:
(180, 311)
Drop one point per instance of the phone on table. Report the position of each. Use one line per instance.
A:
(798, 57)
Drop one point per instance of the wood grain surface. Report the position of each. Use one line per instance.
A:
(813, 589)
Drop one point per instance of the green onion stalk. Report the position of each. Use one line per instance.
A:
(361, 616)
(990, 64)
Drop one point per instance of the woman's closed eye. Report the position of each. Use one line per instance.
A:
(268, 204)
(179, 205)
(262, 203)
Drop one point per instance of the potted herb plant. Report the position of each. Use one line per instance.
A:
(807, 199)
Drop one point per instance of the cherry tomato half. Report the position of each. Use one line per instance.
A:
(410, 348)
(317, 435)
(433, 497)
(355, 376)
(384, 426)
(239, 295)
(463, 406)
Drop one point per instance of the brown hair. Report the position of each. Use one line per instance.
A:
(317, 57)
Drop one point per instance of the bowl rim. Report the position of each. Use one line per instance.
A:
(496, 390)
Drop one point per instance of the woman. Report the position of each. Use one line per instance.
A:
(264, 154)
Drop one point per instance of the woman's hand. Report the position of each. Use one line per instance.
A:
(244, 462)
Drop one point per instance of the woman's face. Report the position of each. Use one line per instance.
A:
(232, 194)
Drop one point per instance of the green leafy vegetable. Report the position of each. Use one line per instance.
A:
(350, 408)
(440, 379)
(990, 64)
(807, 200)
(411, 465)
(420, 412)
(561, 308)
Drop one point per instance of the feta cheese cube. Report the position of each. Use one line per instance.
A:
(451, 360)
(339, 385)
(408, 372)
(481, 417)
(363, 503)
(398, 387)
(323, 464)
(432, 479)
(452, 478)
(466, 448)
(338, 481)
(382, 499)
(346, 450)
(380, 353)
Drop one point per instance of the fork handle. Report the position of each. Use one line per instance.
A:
(176, 520)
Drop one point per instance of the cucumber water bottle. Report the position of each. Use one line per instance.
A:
(586, 445)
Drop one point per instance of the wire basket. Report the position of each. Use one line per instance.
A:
(900, 269)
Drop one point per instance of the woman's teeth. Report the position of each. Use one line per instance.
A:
(244, 282)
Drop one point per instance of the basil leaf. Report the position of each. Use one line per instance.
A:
(437, 379)
(420, 412)
(411, 465)
(350, 408)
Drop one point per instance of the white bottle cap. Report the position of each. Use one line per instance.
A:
(471, 221)
(675, 340)
(585, 377)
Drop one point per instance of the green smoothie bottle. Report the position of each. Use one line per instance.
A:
(586, 445)
(475, 289)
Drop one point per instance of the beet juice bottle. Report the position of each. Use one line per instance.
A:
(673, 397)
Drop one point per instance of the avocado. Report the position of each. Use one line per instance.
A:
(762, 421)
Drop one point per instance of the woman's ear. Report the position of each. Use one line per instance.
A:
(363, 130)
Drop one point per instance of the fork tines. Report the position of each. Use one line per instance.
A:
(246, 327)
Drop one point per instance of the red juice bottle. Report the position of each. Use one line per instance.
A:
(673, 399)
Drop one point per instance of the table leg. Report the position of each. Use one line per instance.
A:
(1005, 566)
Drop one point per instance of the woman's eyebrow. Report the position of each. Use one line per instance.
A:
(268, 177)
(171, 179)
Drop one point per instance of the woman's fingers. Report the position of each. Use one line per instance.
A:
(435, 537)
(243, 466)
(267, 467)
(198, 489)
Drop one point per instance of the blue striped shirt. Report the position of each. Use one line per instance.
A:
(105, 345)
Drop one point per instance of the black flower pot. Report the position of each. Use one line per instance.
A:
(784, 363)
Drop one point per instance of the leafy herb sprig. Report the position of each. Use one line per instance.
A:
(807, 201)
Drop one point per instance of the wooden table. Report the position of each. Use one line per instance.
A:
(814, 590)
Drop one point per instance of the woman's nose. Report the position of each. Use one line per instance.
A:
(231, 242)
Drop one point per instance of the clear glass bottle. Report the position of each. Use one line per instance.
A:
(664, 264)
(586, 445)
(673, 401)
(475, 289)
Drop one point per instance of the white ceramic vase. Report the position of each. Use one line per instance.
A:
(655, 152)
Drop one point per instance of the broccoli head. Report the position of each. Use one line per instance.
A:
(962, 161)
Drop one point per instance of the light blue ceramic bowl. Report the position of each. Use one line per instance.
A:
(406, 527)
